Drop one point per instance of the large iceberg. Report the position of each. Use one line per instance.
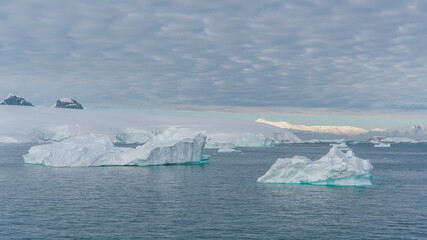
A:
(98, 150)
(335, 168)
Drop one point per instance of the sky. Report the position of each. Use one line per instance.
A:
(354, 62)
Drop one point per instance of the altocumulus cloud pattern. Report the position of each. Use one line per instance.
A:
(318, 54)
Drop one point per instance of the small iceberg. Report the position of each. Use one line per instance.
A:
(92, 150)
(228, 150)
(382, 145)
(335, 168)
(341, 146)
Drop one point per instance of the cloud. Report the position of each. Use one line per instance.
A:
(342, 55)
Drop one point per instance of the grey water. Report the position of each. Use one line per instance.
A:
(219, 200)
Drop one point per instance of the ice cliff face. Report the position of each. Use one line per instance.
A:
(335, 168)
(68, 103)
(13, 99)
(97, 150)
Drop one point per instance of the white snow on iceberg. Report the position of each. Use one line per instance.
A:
(98, 150)
(335, 168)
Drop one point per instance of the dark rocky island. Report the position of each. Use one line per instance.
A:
(13, 99)
(68, 103)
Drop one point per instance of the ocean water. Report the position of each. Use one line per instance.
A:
(219, 200)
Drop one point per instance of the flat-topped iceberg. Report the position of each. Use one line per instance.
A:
(98, 150)
(335, 168)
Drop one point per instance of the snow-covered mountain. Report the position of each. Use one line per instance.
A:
(338, 130)
(414, 133)
(13, 99)
(68, 103)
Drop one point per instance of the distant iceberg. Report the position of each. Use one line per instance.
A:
(254, 140)
(325, 141)
(135, 136)
(228, 150)
(335, 168)
(382, 145)
(229, 141)
(98, 150)
(340, 145)
(55, 133)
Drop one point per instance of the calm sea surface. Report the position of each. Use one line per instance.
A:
(219, 200)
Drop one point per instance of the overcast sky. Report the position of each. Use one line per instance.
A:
(327, 56)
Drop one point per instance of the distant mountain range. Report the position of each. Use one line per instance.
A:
(13, 99)
(415, 132)
(338, 130)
